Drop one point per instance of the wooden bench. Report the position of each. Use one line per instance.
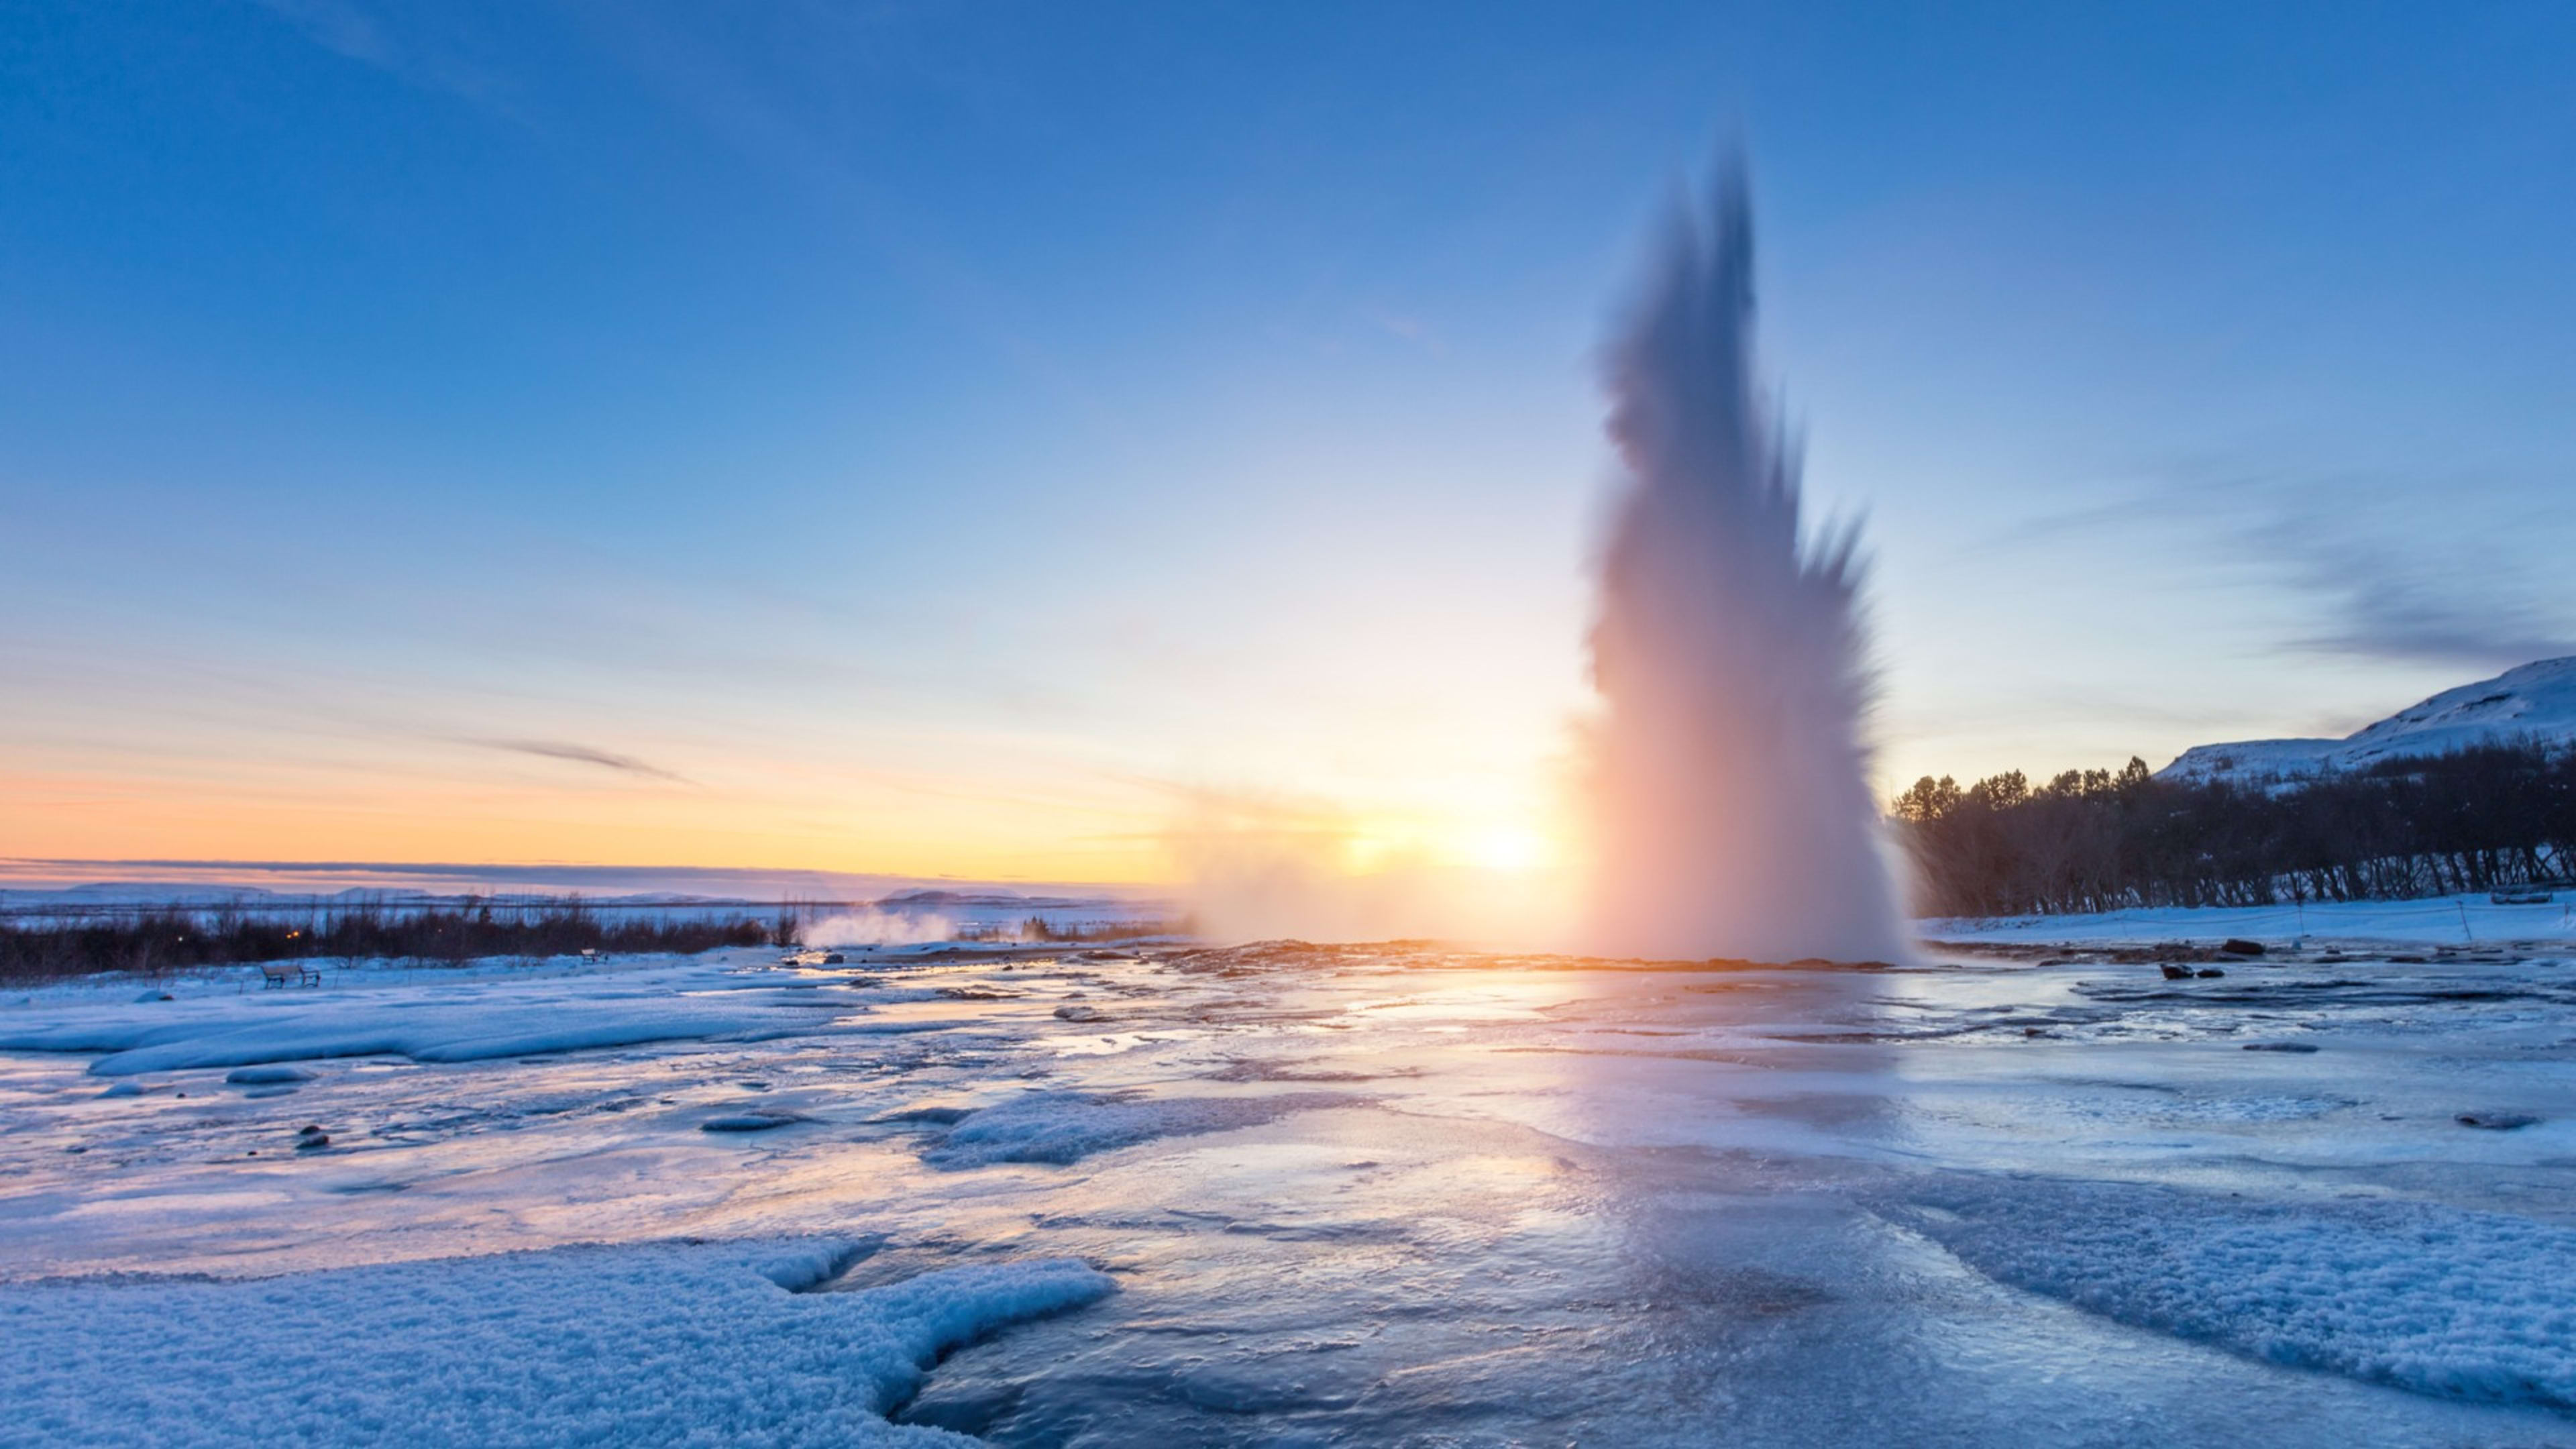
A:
(287, 973)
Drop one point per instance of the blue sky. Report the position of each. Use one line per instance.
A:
(985, 439)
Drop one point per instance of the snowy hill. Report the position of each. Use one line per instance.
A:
(2535, 702)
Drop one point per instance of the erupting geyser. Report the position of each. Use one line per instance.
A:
(1734, 813)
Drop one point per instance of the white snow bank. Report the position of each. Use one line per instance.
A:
(422, 1025)
(1064, 1127)
(2458, 1304)
(662, 1344)
(2462, 920)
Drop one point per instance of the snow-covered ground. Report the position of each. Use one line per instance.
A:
(668, 1344)
(2464, 922)
(1302, 1195)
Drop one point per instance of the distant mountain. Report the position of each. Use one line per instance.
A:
(2535, 703)
(995, 899)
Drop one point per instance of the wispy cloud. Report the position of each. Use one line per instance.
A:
(1405, 327)
(336, 26)
(2409, 570)
(432, 61)
(579, 754)
(2400, 601)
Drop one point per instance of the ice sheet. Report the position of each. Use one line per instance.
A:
(1063, 1127)
(1410, 1195)
(473, 1018)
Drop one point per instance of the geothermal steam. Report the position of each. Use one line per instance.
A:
(1734, 811)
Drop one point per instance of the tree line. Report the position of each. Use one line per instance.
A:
(176, 938)
(2490, 817)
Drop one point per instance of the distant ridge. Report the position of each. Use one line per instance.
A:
(2534, 703)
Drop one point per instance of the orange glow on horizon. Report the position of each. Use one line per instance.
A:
(1110, 833)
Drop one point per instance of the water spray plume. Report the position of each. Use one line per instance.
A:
(1729, 773)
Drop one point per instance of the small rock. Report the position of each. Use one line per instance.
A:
(2209, 971)
(2278, 1046)
(2495, 1121)
(2176, 973)
(2238, 946)
(275, 1074)
(748, 1122)
(305, 1143)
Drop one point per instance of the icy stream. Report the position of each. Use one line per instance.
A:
(1408, 1196)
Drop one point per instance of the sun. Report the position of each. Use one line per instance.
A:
(1514, 849)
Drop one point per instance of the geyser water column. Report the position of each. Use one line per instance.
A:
(1730, 778)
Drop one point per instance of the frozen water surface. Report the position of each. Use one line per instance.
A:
(1382, 1195)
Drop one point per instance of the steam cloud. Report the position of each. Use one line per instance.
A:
(1734, 814)
(1264, 869)
(869, 926)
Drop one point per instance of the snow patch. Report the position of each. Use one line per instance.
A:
(2438, 1300)
(461, 1028)
(2457, 920)
(660, 1344)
